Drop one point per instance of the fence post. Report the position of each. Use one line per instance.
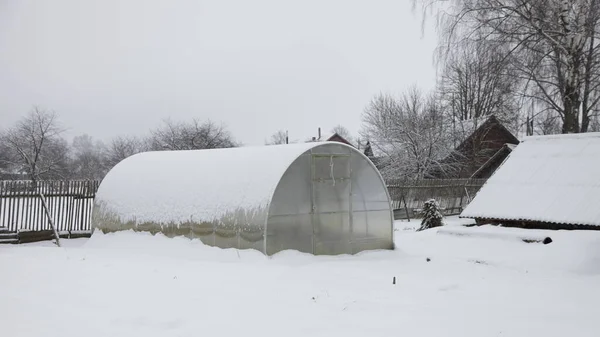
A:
(405, 208)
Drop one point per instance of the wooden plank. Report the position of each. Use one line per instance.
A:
(71, 208)
(56, 236)
(28, 221)
(8, 203)
(58, 208)
(20, 205)
(2, 211)
(49, 202)
(86, 210)
(38, 223)
(76, 224)
(83, 207)
(12, 206)
(65, 207)
(35, 236)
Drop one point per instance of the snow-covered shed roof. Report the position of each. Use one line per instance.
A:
(170, 185)
(550, 179)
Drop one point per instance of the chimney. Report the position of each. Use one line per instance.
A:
(319, 133)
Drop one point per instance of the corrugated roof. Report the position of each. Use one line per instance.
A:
(553, 179)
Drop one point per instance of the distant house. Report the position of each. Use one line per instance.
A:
(12, 174)
(480, 154)
(547, 182)
(491, 165)
(334, 137)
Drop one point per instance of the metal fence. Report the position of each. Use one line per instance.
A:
(69, 205)
(408, 196)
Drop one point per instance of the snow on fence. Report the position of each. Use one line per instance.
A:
(453, 195)
(69, 204)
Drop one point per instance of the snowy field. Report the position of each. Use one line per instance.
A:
(126, 284)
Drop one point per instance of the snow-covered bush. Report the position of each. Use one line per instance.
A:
(432, 217)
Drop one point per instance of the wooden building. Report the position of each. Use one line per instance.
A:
(479, 154)
(548, 182)
(334, 137)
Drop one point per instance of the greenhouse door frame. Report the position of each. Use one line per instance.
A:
(323, 207)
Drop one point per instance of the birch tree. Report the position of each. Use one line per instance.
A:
(477, 82)
(553, 45)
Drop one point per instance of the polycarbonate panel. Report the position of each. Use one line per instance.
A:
(377, 226)
(290, 232)
(322, 208)
(368, 191)
(332, 233)
(330, 196)
(371, 244)
(332, 148)
(293, 193)
(331, 166)
(360, 222)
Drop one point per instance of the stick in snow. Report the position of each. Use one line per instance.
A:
(50, 219)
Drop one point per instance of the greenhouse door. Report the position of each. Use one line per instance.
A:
(331, 203)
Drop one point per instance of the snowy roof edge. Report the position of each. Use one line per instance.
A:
(477, 215)
(562, 136)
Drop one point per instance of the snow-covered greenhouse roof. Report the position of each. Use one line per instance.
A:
(170, 185)
(550, 179)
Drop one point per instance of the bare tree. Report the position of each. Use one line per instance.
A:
(279, 137)
(86, 158)
(342, 131)
(552, 44)
(120, 148)
(34, 146)
(409, 133)
(477, 82)
(190, 136)
(594, 123)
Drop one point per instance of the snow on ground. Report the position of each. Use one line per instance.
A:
(132, 284)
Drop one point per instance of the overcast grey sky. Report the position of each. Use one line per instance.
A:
(111, 67)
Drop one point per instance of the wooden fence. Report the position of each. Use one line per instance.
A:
(408, 196)
(69, 205)
(70, 202)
